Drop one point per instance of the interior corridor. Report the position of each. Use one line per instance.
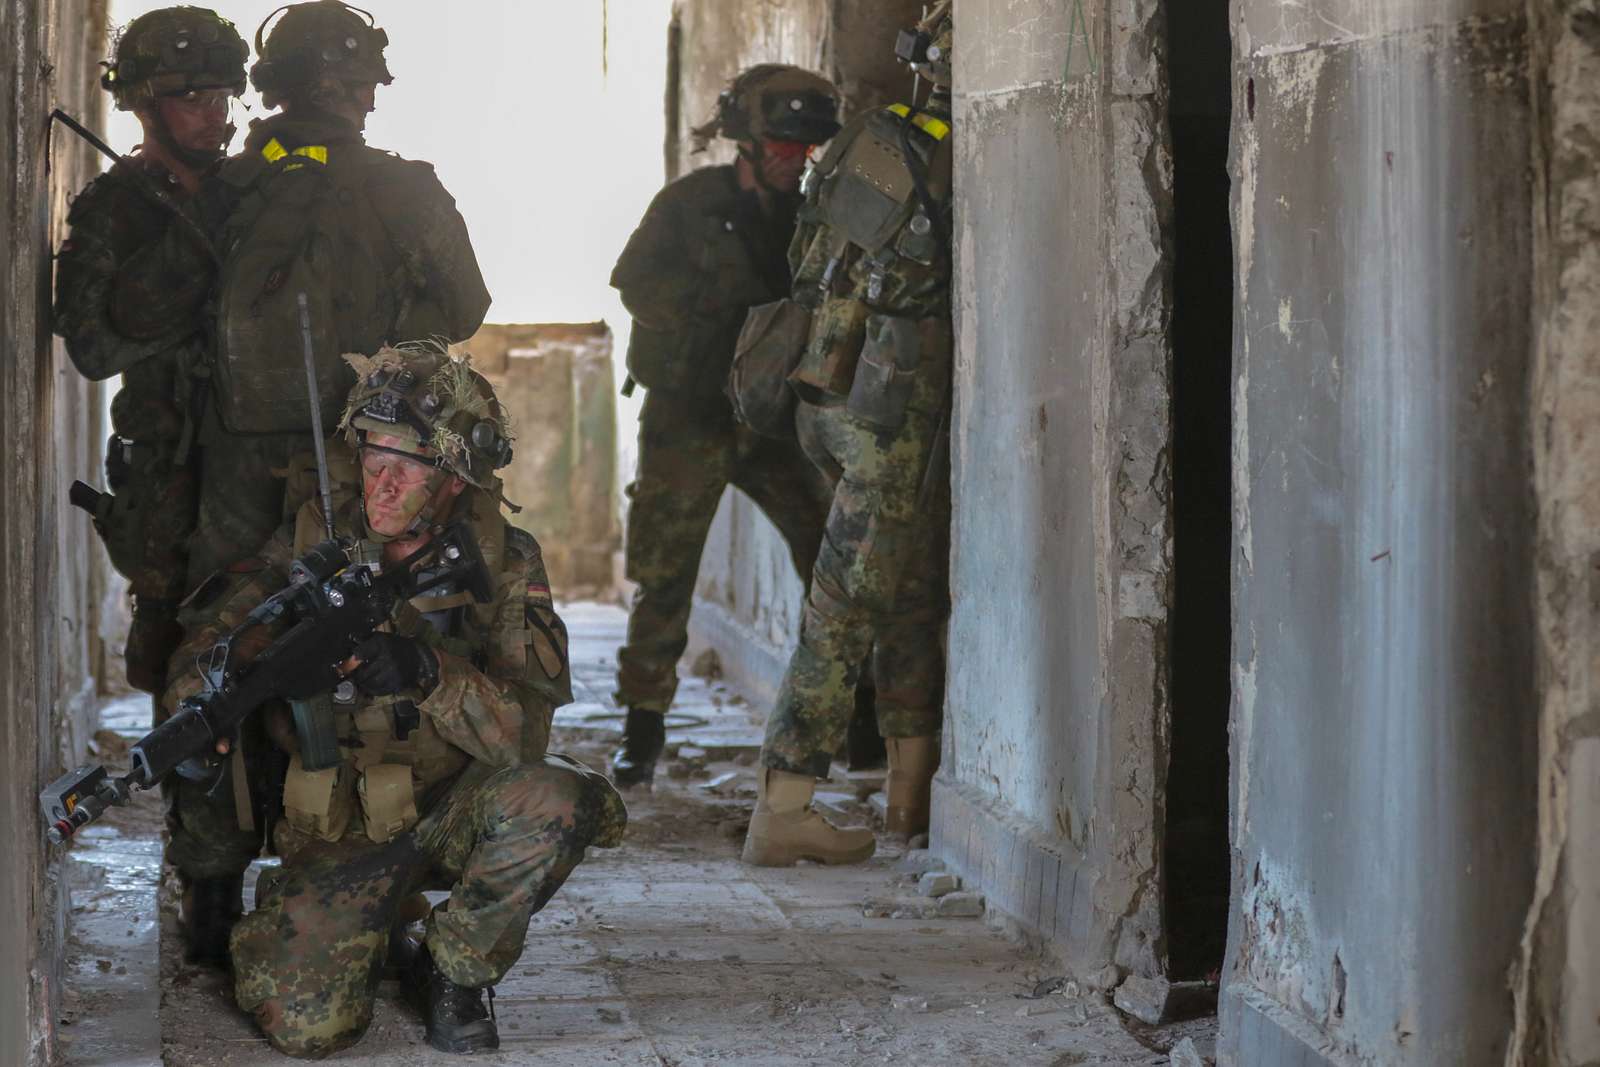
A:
(665, 951)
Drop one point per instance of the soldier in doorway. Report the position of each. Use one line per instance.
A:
(712, 245)
(131, 280)
(442, 776)
(872, 258)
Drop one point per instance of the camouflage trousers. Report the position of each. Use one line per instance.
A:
(146, 536)
(307, 960)
(242, 479)
(689, 452)
(204, 838)
(880, 584)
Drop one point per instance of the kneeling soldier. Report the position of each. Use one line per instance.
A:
(442, 777)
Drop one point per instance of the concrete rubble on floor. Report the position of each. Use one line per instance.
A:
(667, 950)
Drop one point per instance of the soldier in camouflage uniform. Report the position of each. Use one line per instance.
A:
(872, 258)
(712, 245)
(321, 64)
(130, 282)
(443, 724)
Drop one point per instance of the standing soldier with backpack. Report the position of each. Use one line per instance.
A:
(372, 248)
(712, 245)
(131, 279)
(372, 240)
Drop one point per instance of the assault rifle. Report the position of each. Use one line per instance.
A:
(333, 602)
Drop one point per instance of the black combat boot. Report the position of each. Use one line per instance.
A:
(456, 1018)
(210, 908)
(642, 738)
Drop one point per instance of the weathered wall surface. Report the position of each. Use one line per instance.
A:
(1383, 738)
(47, 52)
(1056, 699)
(556, 382)
(1557, 983)
(747, 604)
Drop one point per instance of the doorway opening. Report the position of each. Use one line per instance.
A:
(1196, 859)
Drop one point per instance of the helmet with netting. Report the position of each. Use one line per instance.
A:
(174, 50)
(316, 42)
(445, 411)
(774, 102)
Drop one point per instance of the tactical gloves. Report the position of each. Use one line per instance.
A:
(391, 663)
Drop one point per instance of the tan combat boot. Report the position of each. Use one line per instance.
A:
(785, 829)
(908, 789)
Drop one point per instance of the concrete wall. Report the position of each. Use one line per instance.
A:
(1383, 689)
(47, 51)
(1557, 982)
(556, 382)
(747, 604)
(1048, 797)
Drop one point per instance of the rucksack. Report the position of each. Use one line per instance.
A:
(302, 223)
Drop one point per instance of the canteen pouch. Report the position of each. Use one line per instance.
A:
(886, 373)
(770, 346)
(388, 802)
(317, 803)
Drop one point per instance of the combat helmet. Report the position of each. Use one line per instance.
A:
(174, 50)
(316, 42)
(774, 102)
(422, 394)
(927, 47)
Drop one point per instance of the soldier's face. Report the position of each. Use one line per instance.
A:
(396, 489)
(197, 120)
(782, 163)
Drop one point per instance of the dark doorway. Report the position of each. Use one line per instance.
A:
(1196, 844)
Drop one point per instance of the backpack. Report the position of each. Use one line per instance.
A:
(303, 223)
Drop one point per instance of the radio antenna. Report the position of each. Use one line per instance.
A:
(316, 415)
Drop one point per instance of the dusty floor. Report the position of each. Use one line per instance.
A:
(664, 951)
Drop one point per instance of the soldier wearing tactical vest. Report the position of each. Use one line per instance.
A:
(442, 778)
(872, 259)
(373, 240)
(130, 284)
(131, 281)
(712, 245)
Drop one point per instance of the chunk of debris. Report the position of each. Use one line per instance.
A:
(1144, 998)
(707, 665)
(722, 784)
(908, 1002)
(1187, 1054)
(938, 883)
(918, 860)
(961, 906)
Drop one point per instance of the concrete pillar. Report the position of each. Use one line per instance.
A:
(1557, 981)
(47, 552)
(1383, 716)
(1049, 793)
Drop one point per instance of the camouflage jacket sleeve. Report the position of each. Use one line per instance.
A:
(431, 236)
(121, 296)
(655, 272)
(501, 714)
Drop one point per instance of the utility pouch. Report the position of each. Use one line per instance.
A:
(388, 802)
(314, 730)
(660, 359)
(770, 346)
(317, 803)
(828, 365)
(887, 372)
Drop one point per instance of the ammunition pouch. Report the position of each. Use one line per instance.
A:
(828, 366)
(318, 803)
(886, 374)
(662, 359)
(769, 349)
(388, 800)
(154, 500)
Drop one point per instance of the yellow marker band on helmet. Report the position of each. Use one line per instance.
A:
(938, 129)
(272, 151)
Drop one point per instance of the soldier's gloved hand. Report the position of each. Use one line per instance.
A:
(391, 663)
